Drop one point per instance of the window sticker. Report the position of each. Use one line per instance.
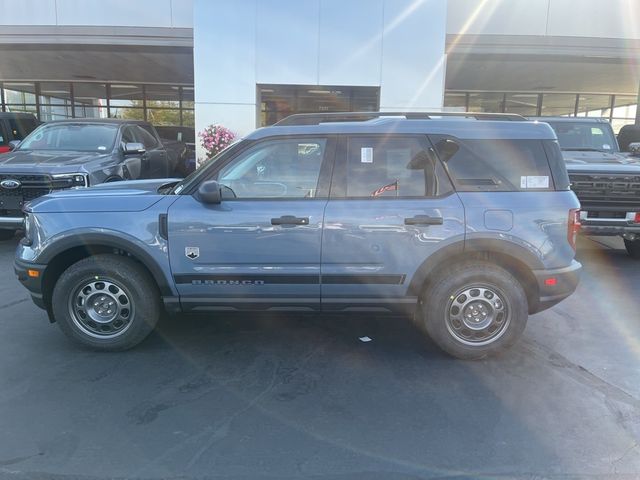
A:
(606, 146)
(366, 155)
(101, 147)
(534, 181)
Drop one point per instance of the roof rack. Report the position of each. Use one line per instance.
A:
(318, 118)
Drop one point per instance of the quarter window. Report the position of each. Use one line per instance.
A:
(495, 165)
(276, 169)
(393, 166)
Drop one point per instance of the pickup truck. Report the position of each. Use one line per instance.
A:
(74, 154)
(606, 180)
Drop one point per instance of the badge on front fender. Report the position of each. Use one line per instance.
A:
(192, 252)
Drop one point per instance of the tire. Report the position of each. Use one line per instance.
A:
(7, 234)
(106, 302)
(498, 315)
(633, 248)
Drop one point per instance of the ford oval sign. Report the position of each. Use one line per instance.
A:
(10, 184)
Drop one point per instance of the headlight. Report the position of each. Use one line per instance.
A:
(70, 180)
(28, 229)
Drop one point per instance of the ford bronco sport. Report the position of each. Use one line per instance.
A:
(463, 221)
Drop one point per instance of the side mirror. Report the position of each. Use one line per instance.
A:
(210, 192)
(634, 149)
(13, 144)
(133, 148)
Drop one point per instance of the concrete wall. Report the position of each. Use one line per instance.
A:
(562, 18)
(117, 13)
(315, 42)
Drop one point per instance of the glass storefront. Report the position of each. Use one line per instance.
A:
(618, 109)
(157, 103)
(279, 101)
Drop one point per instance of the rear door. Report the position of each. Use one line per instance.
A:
(391, 207)
(260, 247)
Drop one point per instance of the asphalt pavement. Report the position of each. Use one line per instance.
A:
(288, 397)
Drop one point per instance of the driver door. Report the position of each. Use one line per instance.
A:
(260, 247)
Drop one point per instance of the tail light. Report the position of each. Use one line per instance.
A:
(573, 226)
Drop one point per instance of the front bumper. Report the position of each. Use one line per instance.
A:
(609, 226)
(554, 285)
(11, 223)
(31, 283)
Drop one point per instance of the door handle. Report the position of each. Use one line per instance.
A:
(423, 220)
(290, 220)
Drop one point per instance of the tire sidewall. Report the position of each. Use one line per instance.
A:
(437, 300)
(128, 276)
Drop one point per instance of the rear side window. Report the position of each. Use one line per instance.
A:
(20, 128)
(393, 166)
(495, 165)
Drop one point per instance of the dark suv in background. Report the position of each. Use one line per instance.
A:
(73, 154)
(606, 180)
(14, 127)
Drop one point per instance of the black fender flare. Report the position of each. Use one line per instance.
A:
(116, 240)
(453, 251)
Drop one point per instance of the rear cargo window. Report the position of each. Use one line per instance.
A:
(495, 165)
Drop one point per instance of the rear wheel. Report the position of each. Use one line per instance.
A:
(106, 302)
(633, 248)
(474, 310)
(7, 234)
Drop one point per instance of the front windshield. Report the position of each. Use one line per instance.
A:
(72, 137)
(584, 136)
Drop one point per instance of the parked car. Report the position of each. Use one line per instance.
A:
(606, 180)
(181, 148)
(73, 154)
(14, 127)
(467, 225)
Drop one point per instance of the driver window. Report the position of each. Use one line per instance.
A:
(276, 169)
(128, 135)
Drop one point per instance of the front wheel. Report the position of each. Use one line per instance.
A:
(474, 310)
(633, 248)
(106, 302)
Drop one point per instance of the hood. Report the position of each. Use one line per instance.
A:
(128, 196)
(600, 161)
(43, 161)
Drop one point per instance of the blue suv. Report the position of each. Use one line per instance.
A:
(465, 222)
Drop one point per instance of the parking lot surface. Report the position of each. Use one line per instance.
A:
(284, 397)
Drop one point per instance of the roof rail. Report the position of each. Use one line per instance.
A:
(318, 118)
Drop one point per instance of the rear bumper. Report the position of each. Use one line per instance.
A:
(11, 223)
(555, 285)
(32, 284)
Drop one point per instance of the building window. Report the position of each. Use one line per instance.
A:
(279, 101)
(55, 101)
(19, 97)
(159, 104)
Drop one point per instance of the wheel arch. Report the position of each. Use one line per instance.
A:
(68, 250)
(512, 257)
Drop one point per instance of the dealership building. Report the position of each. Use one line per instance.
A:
(249, 63)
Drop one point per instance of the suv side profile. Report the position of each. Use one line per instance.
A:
(465, 222)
